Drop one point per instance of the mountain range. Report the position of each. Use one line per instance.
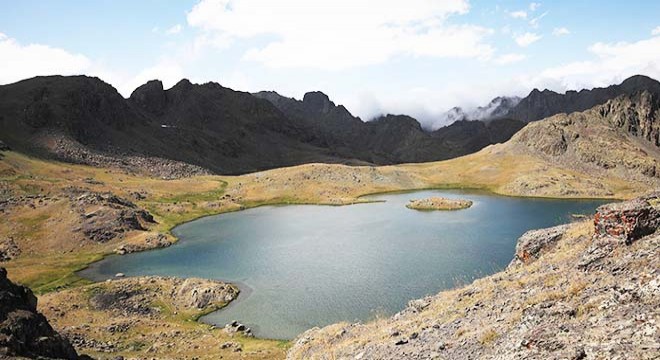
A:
(209, 128)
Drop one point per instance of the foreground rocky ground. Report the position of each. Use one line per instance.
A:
(588, 290)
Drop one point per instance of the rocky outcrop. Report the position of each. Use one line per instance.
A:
(105, 216)
(150, 242)
(24, 332)
(532, 244)
(134, 296)
(628, 220)
(583, 293)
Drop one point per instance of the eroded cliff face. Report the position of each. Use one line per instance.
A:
(588, 290)
(24, 332)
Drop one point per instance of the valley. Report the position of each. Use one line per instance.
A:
(59, 217)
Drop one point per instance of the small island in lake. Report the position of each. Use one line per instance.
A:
(439, 203)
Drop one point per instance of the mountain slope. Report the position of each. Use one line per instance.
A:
(83, 119)
(199, 129)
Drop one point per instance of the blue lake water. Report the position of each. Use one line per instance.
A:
(302, 266)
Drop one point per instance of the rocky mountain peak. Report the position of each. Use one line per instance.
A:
(182, 85)
(401, 121)
(318, 102)
(150, 96)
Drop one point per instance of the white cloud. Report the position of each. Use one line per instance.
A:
(521, 14)
(655, 31)
(560, 31)
(511, 58)
(612, 63)
(534, 23)
(325, 35)
(19, 61)
(526, 39)
(174, 29)
(533, 6)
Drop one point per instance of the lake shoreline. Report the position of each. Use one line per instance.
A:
(242, 298)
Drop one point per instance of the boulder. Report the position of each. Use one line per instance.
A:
(628, 220)
(534, 243)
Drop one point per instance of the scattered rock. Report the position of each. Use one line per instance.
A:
(9, 249)
(235, 327)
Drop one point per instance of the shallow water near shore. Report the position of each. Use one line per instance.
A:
(307, 265)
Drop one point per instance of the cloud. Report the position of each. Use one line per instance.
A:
(174, 29)
(521, 14)
(655, 31)
(340, 34)
(560, 31)
(511, 58)
(611, 63)
(534, 23)
(533, 6)
(19, 61)
(526, 39)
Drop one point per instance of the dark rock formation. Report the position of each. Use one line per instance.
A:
(25, 332)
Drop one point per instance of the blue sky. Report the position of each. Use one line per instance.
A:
(416, 57)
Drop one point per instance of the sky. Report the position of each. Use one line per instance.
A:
(415, 57)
